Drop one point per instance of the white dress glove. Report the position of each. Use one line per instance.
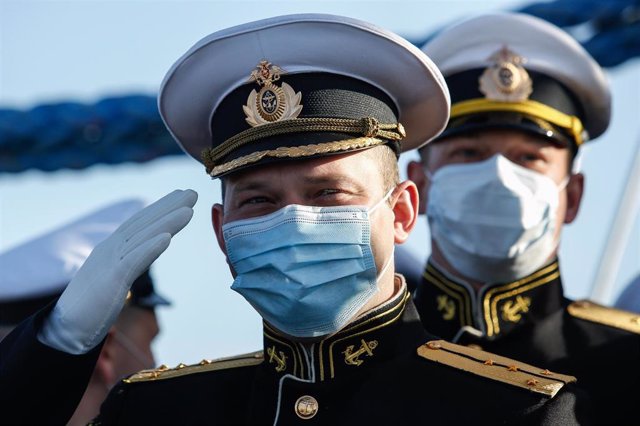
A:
(92, 301)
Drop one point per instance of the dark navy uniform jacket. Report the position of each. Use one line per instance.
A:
(377, 370)
(40, 385)
(531, 320)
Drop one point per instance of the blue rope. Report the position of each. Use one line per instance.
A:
(75, 136)
(115, 130)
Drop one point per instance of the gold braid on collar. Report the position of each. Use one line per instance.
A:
(368, 127)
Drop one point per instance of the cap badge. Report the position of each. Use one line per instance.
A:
(272, 103)
(506, 79)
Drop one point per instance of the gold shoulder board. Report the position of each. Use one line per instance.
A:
(495, 367)
(590, 311)
(164, 372)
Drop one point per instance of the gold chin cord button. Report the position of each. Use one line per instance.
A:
(306, 407)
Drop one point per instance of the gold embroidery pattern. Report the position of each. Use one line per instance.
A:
(279, 358)
(451, 289)
(367, 126)
(297, 151)
(353, 358)
(447, 306)
(297, 356)
(395, 311)
(512, 310)
(490, 302)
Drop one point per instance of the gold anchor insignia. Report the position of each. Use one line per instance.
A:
(505, 79)
(281, 360)
(352, 358)
(511, 311)
(272, 103)
(448, 306)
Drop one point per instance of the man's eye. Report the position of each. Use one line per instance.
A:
(254, 200)
(326, 192)
(528, 158)
(466, 153)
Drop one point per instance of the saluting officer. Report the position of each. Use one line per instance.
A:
(497, 186)
(300, 118)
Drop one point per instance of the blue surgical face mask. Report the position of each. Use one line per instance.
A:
(306, 270)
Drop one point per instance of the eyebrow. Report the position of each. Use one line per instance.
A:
(259, 184)
(329, 179)
(342, 181)
(251, 185)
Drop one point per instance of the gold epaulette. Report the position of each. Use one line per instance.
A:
(164, 372)
(590, 311)
(495, 367)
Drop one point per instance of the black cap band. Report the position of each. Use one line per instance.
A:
(323, 96)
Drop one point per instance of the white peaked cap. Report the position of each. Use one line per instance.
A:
(546, 49)
(195, 89)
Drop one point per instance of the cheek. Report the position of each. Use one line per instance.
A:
(561, 213)
(149, 356)
(382, 235)
(557, 166)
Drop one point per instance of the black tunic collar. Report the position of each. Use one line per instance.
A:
(372, 339)
(448, 305)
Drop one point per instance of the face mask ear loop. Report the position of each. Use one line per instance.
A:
(564, 183)
(578, 160)
(131, 347)
(379, 203)
(370, 211)
(428, 173)
(386, 265)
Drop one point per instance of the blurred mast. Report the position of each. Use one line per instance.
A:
(620, 231)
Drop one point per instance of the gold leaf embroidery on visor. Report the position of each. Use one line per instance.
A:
(294, 152)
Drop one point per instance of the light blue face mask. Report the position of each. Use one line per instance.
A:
(306, 270)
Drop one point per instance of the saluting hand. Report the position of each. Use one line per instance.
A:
(93, 299)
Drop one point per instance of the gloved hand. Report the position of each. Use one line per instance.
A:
(91, 302)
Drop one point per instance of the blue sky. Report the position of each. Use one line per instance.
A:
(54, 51)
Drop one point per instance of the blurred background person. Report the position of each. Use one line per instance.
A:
(127, 348)
(498, 187)
(35, 273)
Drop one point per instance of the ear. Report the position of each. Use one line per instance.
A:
(415, 172)
(217, 219)
(105, 366)
(574, 190)
(405, 209)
